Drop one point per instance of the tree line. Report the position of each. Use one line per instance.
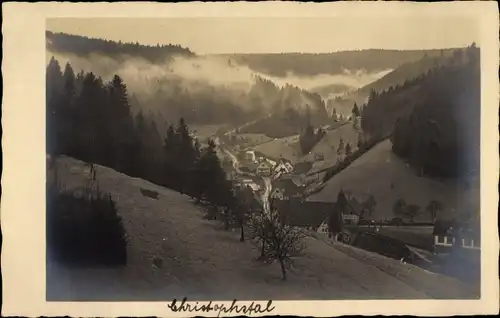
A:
(310, 64)
(90, 119)
(309, 138)
(82, 45)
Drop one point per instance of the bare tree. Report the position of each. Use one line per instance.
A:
(242, 208)
(433, 207)
(257, 233)
(411, 211)
(279, 241)
(399, 207)
(369, 205)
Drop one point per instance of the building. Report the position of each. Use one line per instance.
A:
(353, 212)
(449, 235)
(263, 169)
(283, 167)
(250, 156)
(288, 187)
(309, 215)
(319, 157)
(350, 219)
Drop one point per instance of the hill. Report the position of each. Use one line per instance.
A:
(434, 120)
(405, 72)
(170, 82)
(388, 178)
(202, 262)
(334, 89)
(288, 147)
(329, 145)
(308, 64)
(84, 46)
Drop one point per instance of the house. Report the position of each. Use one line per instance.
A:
(450, 234)
(351, 216)
(308, 215)
(272, 163)
(319, 157)
(263, 169)
(288, 187)
(277, 194)
(283, 167)
(350, 219)
(250, 156)
(230, 175)
(251, 184)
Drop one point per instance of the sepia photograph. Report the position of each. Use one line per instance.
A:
(259, 159)
(176, 170)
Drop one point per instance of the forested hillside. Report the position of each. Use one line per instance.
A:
(292, 111)
(83, 46)
(308, 64)
(434, 119)
(171, 82)
(399, 76)
(90, 119)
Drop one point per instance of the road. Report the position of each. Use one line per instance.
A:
(236, 163)
(267, 192)
(236, 166)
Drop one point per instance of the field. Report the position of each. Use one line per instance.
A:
(250, 140)
(329, 145)
(388, 178)
(203, 262)
(206, 131)
(288, 147)
(418, 236)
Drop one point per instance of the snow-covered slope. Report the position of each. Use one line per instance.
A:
(203, 262)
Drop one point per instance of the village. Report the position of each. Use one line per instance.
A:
(435, 246)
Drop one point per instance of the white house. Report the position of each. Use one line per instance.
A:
(323, 228)
(271, 162)
(350, 218)
(264, 169)
(250, 156)
(278, 194)
(444, 238)
(283, 168)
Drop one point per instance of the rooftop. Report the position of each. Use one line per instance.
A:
(307, 214)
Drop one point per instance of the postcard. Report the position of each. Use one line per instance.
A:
(250, 159)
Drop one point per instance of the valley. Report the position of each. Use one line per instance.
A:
(359, 152)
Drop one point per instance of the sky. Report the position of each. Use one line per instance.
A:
(279, 35)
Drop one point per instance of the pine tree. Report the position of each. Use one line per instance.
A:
(143, 149)
(211, 182)
(89, 105)
(334, 115)
(360, 141)
(171, 146)
(355, 111)
(126, 155)
(341, 146)
(348, 149)
(54, 80)
(66, 120)
(342, 203)
(187, 156)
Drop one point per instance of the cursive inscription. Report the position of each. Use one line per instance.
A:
(249, 309)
